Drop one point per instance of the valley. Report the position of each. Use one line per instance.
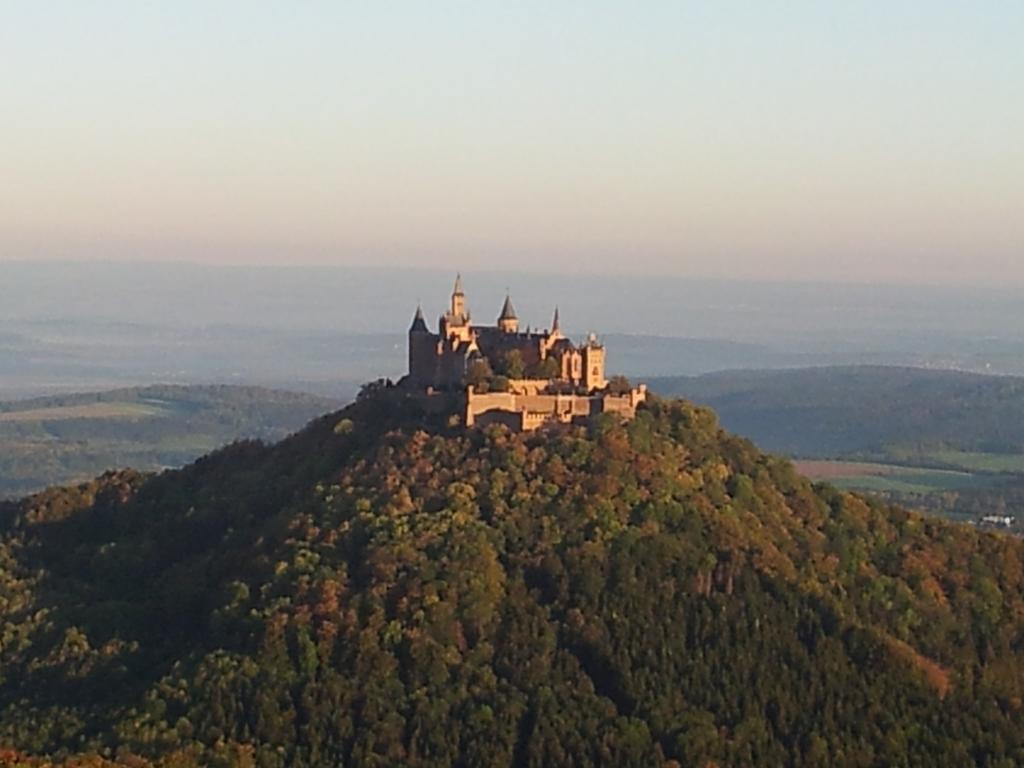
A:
(945, 442)
(64, 439)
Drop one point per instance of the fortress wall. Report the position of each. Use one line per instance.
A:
(479, 404)
(530, 411)
(514, 420)
(626, 404)
(489, 400)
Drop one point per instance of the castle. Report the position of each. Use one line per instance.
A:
(524, 379)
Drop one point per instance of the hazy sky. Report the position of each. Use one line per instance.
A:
(830, 140)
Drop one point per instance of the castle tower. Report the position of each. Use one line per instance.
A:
(422, 356)
(556, 328)
(507, 320)
(454, 325)
(458, 312)
(419, 325)
(593, 365)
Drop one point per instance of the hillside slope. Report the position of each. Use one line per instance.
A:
(68, 438)
(874, 411)
(382, 590)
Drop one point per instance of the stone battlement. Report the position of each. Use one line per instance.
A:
(526, 411)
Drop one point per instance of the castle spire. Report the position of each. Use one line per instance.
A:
(555, 325)
(459, 301)
(507, 320)
(418, 323)
(508, 312)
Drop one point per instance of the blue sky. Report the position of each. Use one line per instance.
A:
(830, 140)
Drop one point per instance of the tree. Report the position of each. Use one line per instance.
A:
(372, 388)
(547, 368)
(479, 374)
(511, 364)
(619, 385)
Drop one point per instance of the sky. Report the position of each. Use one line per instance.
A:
(868, 141)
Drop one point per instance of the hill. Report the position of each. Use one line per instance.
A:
(384, 589)
(69, 438)
(903, 414)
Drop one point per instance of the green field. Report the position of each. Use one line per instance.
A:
(115, 410)
(892, 478)
(916, 482)
(1001, 463)
(70, 438)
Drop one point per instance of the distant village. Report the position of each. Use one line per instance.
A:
(502, 374)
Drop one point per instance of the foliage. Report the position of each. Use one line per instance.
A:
(479, 374)
(619, 385)
(511, 364)
(548, 368)
(405, 593)
(373, 388)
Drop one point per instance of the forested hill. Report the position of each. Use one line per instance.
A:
(67, 438)
(863, 410)
(383, 590)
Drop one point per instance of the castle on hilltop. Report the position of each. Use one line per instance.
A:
(520, 378)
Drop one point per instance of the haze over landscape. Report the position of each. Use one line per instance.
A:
(718, 173)
(72, 326)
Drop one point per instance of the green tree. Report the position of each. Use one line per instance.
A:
(511, 364)
(619, 385)
(547, 368)
(479, 374)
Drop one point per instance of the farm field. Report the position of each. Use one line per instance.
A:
(892, 478)
(971, 461)
(114, 410)
(70, 438)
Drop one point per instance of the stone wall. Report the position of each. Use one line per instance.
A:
(527, 409)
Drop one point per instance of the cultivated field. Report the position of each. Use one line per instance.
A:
(870, 476)
(1003, 463)
(68, 438)
(85, 411)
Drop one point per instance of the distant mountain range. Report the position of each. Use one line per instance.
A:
(863, 411)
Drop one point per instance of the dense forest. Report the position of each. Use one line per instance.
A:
(889, 413)
(385, 588)
(61, 439)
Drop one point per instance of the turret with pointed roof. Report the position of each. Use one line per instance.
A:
(440, 359)
(458, 312)
(507, 320)
(419, 325)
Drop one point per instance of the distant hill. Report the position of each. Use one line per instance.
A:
(386, 588)
(864, 411)
(62, 439)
